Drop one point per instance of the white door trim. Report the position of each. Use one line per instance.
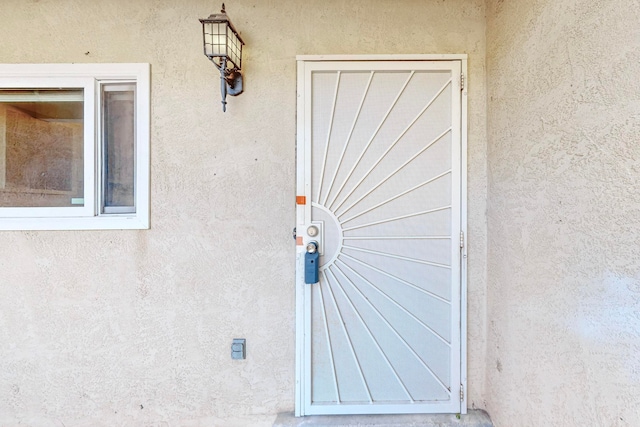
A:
(384, 57)
(463, 228)
(303, 139)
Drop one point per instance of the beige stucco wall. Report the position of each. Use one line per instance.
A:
(135, 327)
(564, 213)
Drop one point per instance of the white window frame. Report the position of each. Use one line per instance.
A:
(88, 77)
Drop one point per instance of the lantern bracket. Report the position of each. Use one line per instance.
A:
(230, 82)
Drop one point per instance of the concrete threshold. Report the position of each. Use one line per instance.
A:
(475, 418)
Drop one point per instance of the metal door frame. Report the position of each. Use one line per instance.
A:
(303, 210)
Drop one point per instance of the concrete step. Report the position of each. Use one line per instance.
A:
(475, 418)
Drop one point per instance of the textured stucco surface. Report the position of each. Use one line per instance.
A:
(564, 213)
(134, 327)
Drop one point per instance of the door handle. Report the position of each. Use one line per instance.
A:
(312, 264)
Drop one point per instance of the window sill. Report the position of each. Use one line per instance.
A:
(111, 222)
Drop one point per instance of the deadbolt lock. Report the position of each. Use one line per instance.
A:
(312, 231)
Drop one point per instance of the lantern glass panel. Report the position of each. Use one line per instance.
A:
(234, 49)
(215, 40)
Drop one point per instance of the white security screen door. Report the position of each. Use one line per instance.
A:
(380, 189)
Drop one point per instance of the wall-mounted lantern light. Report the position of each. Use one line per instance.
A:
(223, 46)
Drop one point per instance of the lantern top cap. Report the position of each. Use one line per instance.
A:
(220, 18)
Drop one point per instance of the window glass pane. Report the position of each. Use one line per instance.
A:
(118, 102)
(41, 148)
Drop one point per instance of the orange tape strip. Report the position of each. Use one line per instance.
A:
(301, 200)
(299, 241)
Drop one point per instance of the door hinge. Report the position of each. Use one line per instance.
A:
(461, 393)
(461, 239)
(461, 81)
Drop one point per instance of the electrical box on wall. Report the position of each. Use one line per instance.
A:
(239, 348)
